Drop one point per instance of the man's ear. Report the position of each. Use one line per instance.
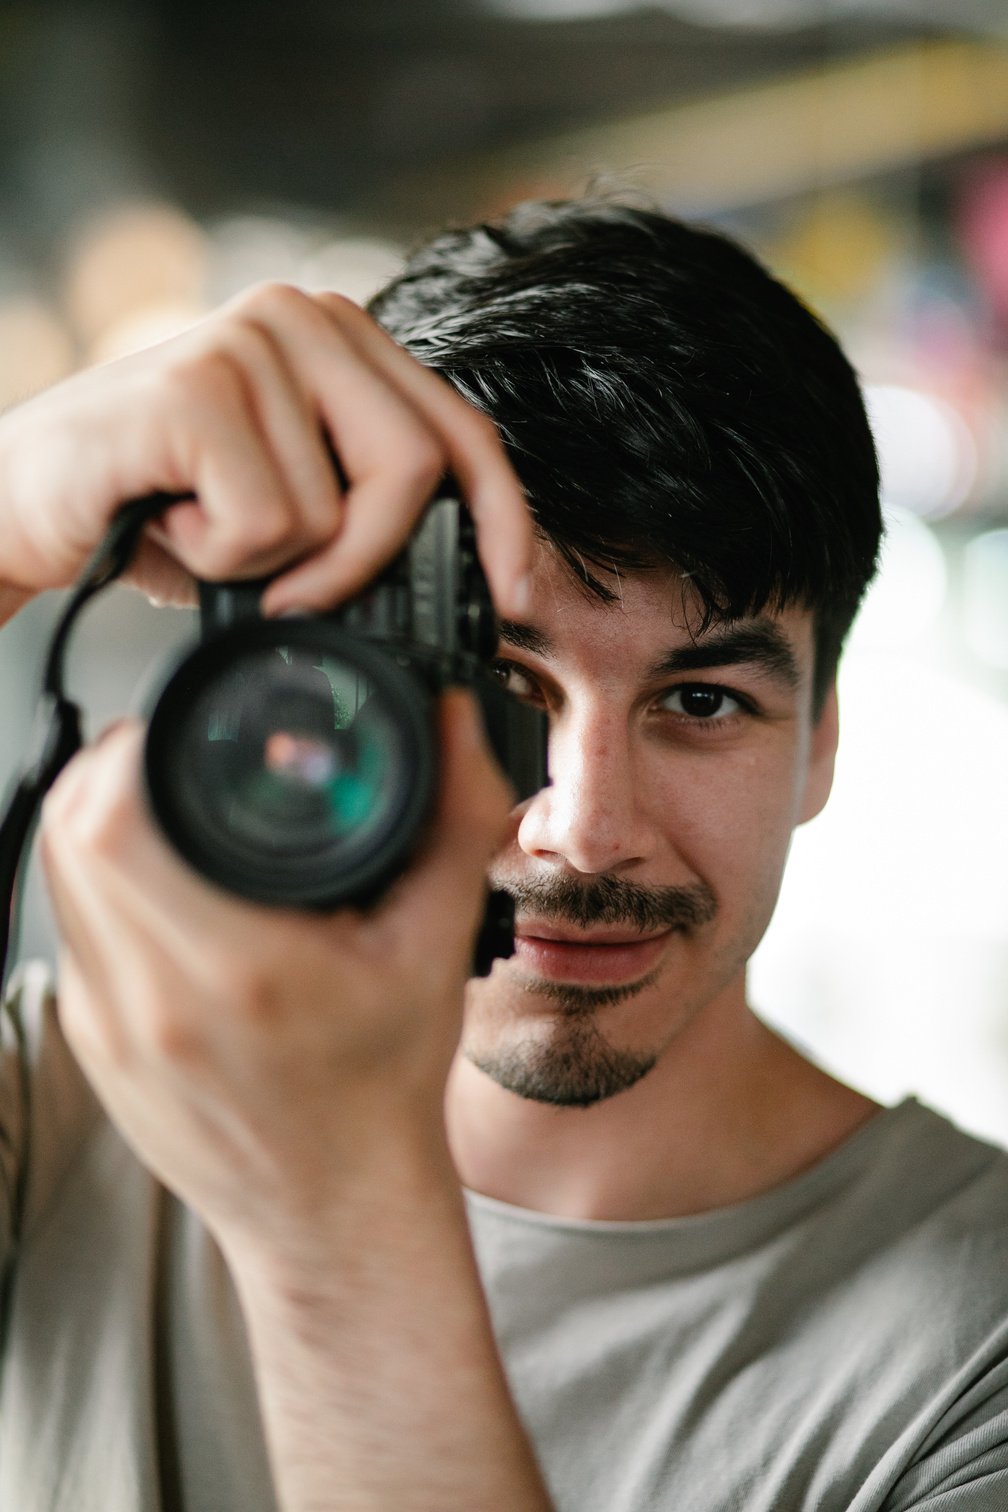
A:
(822, 757)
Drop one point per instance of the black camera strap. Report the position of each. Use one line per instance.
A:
(56, 730)
(56, 737)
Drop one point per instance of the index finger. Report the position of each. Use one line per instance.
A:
(475, 454)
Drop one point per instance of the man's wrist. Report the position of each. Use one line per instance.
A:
(390, 1183)
(379, 1377)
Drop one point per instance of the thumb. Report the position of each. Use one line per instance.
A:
(469, 823)
(475, 797)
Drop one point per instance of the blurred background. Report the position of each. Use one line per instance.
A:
(157, 156)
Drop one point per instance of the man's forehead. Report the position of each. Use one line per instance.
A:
(663, 617)
(660, 588)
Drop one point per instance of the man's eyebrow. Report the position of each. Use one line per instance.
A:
(524, 638)
(760, 643)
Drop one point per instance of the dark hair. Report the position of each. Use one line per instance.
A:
(664, 399)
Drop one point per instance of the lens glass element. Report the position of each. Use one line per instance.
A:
(292, 753)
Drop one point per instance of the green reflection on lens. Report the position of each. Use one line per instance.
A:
(352, 795)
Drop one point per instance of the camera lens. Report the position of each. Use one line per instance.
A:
(296, 755)
(292, 763)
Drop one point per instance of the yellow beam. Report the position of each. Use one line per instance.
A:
(838, 121)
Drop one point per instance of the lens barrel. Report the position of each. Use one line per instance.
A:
(293, 763)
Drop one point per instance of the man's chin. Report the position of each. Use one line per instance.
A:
(573, 1066)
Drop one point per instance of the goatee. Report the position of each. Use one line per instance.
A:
(576, 1066)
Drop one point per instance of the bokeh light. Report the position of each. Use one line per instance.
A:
(36, 349)
(927, 456)
(135, 258)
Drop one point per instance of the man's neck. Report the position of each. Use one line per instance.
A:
(729, 1111)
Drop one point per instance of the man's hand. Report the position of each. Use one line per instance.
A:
(284, 1072)
(264, 1062)
(244, 413)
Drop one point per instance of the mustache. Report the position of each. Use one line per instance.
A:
(612, 900)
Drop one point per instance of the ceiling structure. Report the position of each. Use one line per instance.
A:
(399, 113)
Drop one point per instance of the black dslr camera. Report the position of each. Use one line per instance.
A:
(294, 761)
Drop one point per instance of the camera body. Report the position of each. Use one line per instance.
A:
(295, 761)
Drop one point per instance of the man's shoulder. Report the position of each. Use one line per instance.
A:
(919, 1234)
(918, 1165)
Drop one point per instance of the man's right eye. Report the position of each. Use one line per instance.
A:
(516, 680)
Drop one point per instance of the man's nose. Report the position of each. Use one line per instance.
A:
(594, 814)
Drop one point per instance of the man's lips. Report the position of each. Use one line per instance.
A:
(566, 934)
(599, 957)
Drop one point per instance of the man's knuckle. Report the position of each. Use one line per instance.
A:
(265, 530)
(276, 308)
(209, 377)
(270, 299)
(421, 460)
(339, 306)
(223, 553)
(253, 342)
(232, 544)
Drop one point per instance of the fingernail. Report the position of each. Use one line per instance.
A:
(278, 609)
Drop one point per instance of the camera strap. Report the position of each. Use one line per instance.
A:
(56, 729)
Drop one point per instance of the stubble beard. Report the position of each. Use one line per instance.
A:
(572, 1064)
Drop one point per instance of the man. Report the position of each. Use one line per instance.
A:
(599, 1239)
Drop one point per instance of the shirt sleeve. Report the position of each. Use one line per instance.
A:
(47, 1107)
(983, 1492)
(963, 1465)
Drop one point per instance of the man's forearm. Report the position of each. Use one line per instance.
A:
(380, 1381)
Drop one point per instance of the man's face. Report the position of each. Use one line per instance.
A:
(646, 874)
